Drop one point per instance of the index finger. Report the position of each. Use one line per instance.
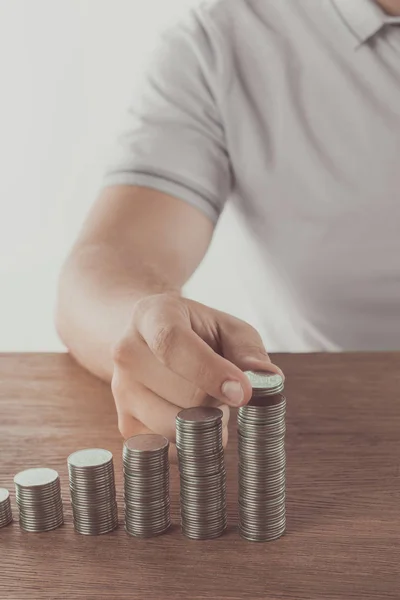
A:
(180, 349)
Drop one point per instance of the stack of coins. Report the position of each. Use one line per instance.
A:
(202, 472)
(92, 490)
(146, 485)
(5, 508)
(38, 494)
(261, 433)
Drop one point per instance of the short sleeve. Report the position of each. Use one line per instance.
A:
(173, 140)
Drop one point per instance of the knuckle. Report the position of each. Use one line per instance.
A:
(115, 386)
(164, 341)
(152, 304)
(197, 397)
(256, 350)
(120, 392)
(125, 427)
(122, 351)
(128, 425)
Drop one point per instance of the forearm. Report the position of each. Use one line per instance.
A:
(135, 242)
(97, 292)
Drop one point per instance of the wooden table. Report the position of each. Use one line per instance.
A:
(343, 492)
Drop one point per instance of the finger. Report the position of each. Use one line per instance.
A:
(225, 436)
(181, 350)
(146, 407)
(141, 366)
(242, 344)
(129, 426)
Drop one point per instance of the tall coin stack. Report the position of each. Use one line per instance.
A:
(92, 490)
(261, 438)
(146, 485)
(38, 494)
(5, 508)
(202, 472)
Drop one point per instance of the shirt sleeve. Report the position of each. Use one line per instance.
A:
(174, 140)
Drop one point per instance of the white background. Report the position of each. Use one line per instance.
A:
(68, 69)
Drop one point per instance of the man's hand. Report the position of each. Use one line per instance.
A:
(176, 354)
(138, 247)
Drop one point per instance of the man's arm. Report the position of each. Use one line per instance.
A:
(120, 313)
(119, 310)
(135, 242)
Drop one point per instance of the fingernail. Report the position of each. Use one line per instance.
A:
(233, 391)
(281, 373)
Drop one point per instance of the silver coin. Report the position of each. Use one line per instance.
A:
(262, 460)
(202, 472)
(38, 496)
(89, 457)
(146, 485)
(106, 523)
(148, 533)
(92, 491)
(94, 531)
(146, 443)
(43, 529)
(251, 537)
(136, 492)
(47, 491)
(203, 534)
(6, 516)
(265, 380)
(87, 480)
(199, 414)
(150, 507)
(204, 528)
(152, 484)
(147, 521)
(4, 495)
(31, 478)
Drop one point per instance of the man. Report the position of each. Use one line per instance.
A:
(291, 110)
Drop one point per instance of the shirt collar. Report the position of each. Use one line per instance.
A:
(364, 18)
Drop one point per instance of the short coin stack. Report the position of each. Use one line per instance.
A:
(261, 437)
(92, 490)
(38, 494)
(202, 472)
(146, 485)
(5, 508)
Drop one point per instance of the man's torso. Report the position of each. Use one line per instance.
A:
(312, 122)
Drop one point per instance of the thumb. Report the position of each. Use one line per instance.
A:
(242, 345)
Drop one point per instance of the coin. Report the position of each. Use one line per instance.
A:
(265, 382)
(198, 415)
(262, 460)
(146, 443)
(38, 496)
(146, 485)
(92, 491)
(89, 457)
(202, 472)
(5, 508)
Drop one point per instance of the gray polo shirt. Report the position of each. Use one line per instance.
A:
(290, 111)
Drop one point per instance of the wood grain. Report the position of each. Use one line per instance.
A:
(343, 492)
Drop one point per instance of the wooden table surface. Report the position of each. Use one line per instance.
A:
(343, 492)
